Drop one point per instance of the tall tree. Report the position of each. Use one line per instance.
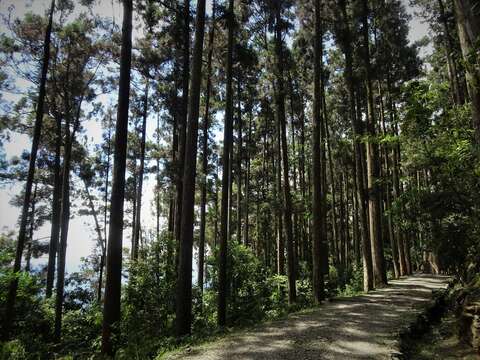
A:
(184, 281)
(206, 124)
(466, 15)
(281, 120)
(345, 41)
(182, 116)
(56, 208)
(13, 286)
(111, 309)
(141, 171)
(227, 145)
(373, 166)
(318, 195)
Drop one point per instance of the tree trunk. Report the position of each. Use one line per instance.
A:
(182, 125)
(141, 170)
(105, 214)
(13, 286)
(99, 234)
(318, 194)
(28, 255)
(451, 61)
(65, 220)
(239, 163)
(246, 233)
(466, 14)
(56, 207)
(227, 144)
(278, 188)
(206, 118)
(111, 309)
(184, 281)
(380, 274)
(335, 232)
(388, 194)
(280, 113)
(357, 131)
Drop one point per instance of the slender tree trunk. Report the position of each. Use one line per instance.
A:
(451, 61)
(141, 170)
(318, 191)
(297, 246)
(184, 281)
(91, 205)
(356, 212)
(343, 227)
(206, 118)
(105, 214)
(466, 14)
(157, 197)
(380, 274)
(227, 144)
(335, 231)
(182, 124)
(65, 220)
(111, 310)
(246, 233)
(278, 188)
(304, 222)
(215, 240)
(175, 116)
(28, 255)
(56, 207)
(388, 200)
(357, 131)
(239, 163)
(99, 235)
(13, 286)
(280, 113)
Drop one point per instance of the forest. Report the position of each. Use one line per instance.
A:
(227, 163)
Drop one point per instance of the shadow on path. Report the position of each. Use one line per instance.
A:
(361, 327)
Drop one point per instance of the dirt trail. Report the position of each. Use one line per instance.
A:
(361, 327)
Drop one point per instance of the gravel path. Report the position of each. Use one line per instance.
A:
(361, 327)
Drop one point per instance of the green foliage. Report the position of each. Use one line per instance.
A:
(440, 138)
(32, 327)
(13, 350)
(348, 282)
(148, 306)
(248, 291)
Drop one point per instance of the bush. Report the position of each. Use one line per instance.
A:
(12, 350)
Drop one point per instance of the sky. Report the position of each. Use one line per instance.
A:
(82, 241)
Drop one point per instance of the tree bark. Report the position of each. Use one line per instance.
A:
(318, 193)
(111, 309)
(451, 61)
(28, 255)
(56, 207)
(65, 221)
(227, 144)
(278, 188)
(357, 131)
(184, 281)
(206, 124)
(246, 233)
(239, 162)
(380, 274)
(387, 190)
(280, 113)
(182, 124)
(141, 170)
(466, 14)
(13, 286)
